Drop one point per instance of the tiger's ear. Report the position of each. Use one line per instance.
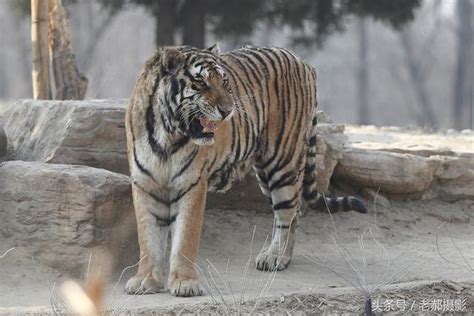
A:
(172, 59)
(214, 49)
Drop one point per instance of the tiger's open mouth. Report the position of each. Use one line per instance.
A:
(208, 125)
(203, 128)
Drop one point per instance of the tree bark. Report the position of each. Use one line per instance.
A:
(427, 116)
(462, 82)
(166, 22)
(362, 75)
(70, 84)
(39, 41)
(193, 21)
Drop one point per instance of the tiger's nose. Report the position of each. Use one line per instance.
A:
(225, 111)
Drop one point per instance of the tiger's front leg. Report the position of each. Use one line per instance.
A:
(186, 233)
(152, 229)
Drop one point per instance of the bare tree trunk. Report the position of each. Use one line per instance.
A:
(463, 75)
(70, 84)
(193, 19)
(362, 75)
(427, 116)
(166, 22)
(40, 56)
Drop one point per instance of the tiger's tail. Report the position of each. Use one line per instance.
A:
(315, 200)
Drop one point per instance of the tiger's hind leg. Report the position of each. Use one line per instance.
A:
(284, 188)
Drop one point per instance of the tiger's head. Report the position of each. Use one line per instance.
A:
(196, 92)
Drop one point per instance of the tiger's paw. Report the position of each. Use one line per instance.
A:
(267, 261)
(140, 285)
(184, 287)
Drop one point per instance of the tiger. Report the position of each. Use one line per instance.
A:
(199, 120)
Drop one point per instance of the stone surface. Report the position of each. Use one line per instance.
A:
(88, 133)
(63, 213)
(409, 163)
(330, 141)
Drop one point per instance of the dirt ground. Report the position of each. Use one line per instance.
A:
(416, 255)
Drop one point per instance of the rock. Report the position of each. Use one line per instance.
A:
(63, 213)
(454, 177)
(323, 117)
(88, 133)
(392, 173)
(330, 141)
(3, 142)
(408, 163)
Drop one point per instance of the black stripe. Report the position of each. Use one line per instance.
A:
(172, 219)
(164, 222)
(139, 164)
(310, 168)
(285, 204)
(135, 158)
(154, 196)
(308, 180)
(309, 196)
(212, 164)
(345, 203)
(332, 204)
(286, 179)
(164, 124)
(186, 164)
(283, 226)
(312, 141)
(224, 180)
(183, 192)
(262, 177)
(179, 144)
(150, 126)
(174, 89)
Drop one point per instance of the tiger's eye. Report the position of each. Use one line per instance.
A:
(200, 84)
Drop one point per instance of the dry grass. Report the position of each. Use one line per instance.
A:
(465, 264)
(248, 295)
(6, 252)
(372, 251)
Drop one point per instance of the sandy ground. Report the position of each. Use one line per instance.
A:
(396, 252)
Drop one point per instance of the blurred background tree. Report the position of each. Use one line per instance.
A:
(311, 20)
(186, 21)
(418, 52)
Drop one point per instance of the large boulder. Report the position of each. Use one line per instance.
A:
(88, 133)
(62, 213)
(409, 163)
